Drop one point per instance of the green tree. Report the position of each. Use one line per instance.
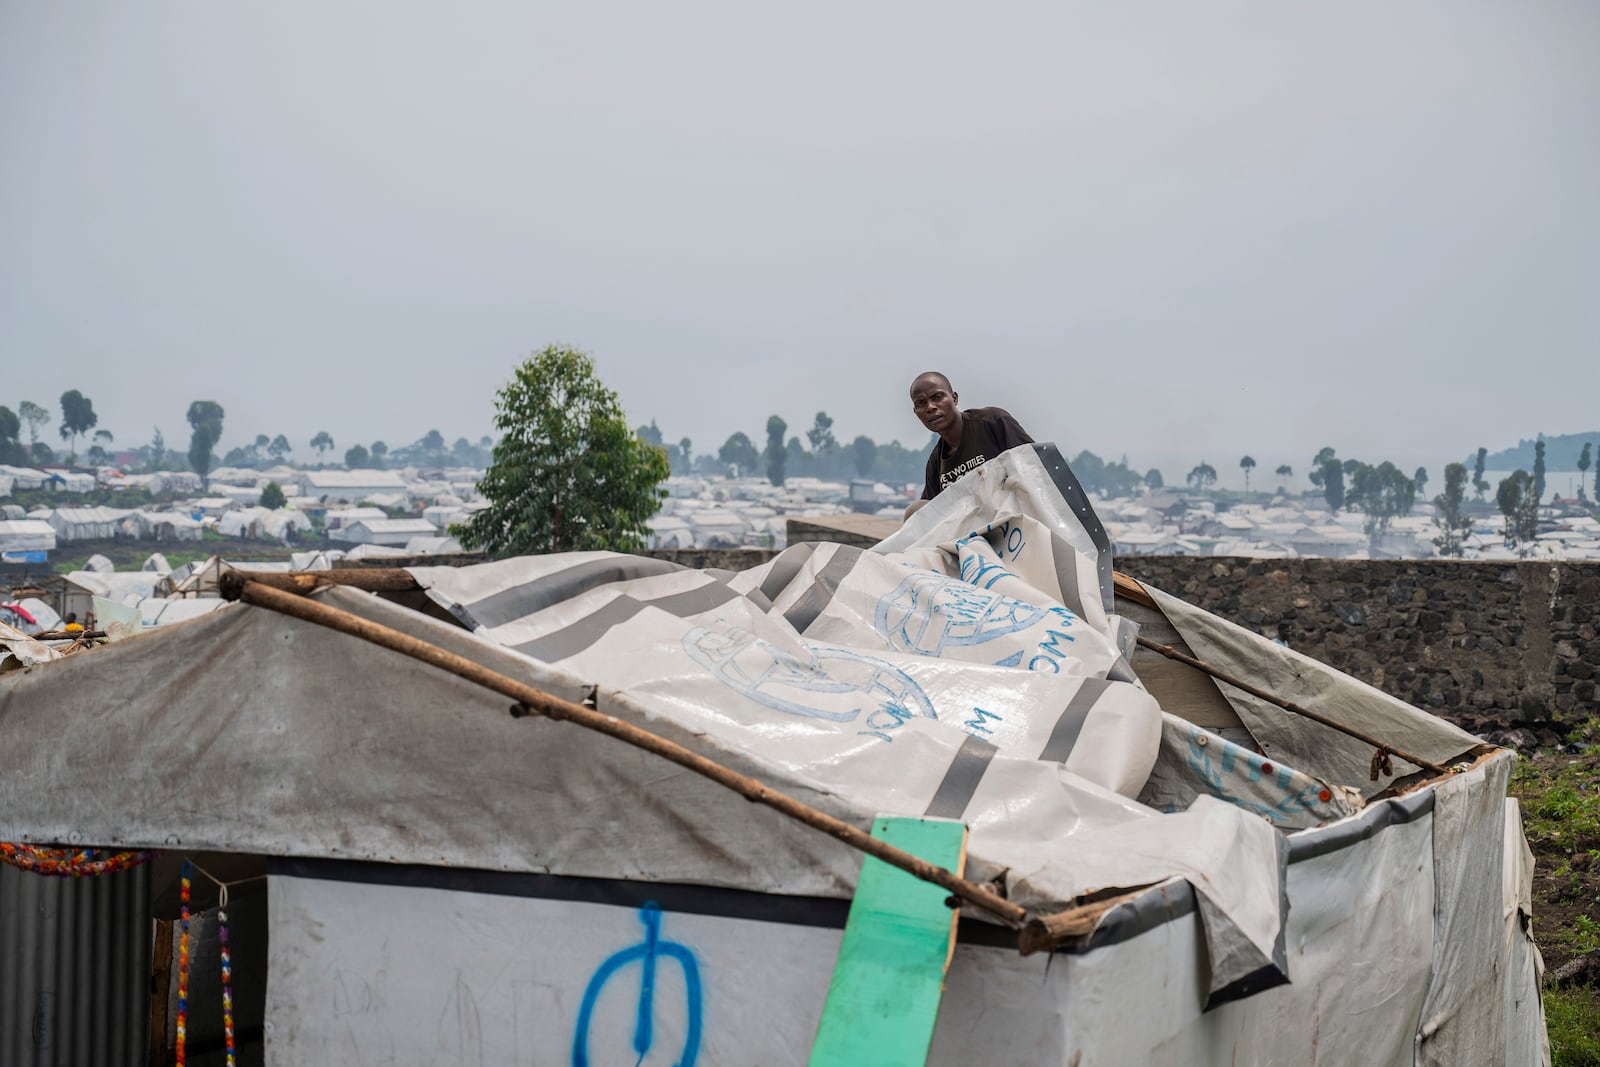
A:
(1519, 505)
(1381, 493)
(1538, 470)
(1453, 526)
(205, 421)
(650, 435)
(568, 473)
(323, 442)
(1153, 479)
(1327, 474)
(378, 451)
(356, 457)
(156, 451)
(77, 417)
(776, 455)
(259, 447)
(1247, 464)
(1420, 478)
(1584, 459)
(821, 434)
(433, 446)
(1284, 473)
(738, 451)
(98, 454)
(35, 416)
(280, 448)
(1479, 486)
(1202, 477)
(10, 436)
(865, 451)
(1090, 470)
(272, 496)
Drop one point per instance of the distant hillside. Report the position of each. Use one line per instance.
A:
(1560, 453)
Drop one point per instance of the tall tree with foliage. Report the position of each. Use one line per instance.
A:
(356, 457)
(205, 421)
(1479, 486)
(740, 452)
(1153, 479)
(776, 454)
(33, 416)
(1202, 477)
(1538, 470)
(1519, 505)
(1421, 480)
(77, 417)
(156, 451)
(865, 451)
(1584, 459)
(378, 451)
(280, 448)
(567, 473)
(1453, 526)
(1284, 473)
(11, 450)
(650, 435)
(272, 496)
(323, 442)
(1247, 464)
(1382, 493)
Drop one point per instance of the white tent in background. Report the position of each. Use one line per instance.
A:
(1278, 897)
(27, 535)
(86, 524)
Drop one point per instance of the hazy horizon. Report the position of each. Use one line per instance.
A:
(1256, 229)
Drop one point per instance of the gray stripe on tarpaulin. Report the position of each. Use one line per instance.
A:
(1071, 490)
(785, 567)
(529, 598)
(1067, 728)
(961, 779)
(816, 599)
(582, 634)
(1395, 811)
(587, 631)
(1066, 564)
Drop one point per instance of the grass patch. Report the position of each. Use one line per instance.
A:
(1573, 1016)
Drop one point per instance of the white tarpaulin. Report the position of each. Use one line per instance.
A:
(973, 667)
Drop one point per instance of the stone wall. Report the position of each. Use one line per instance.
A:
(1491, 646)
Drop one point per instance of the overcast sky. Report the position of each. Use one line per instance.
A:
(1175, 231)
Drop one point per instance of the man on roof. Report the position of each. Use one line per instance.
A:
(967, 439)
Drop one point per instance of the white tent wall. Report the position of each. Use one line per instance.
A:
(857, 683)
(527, 955)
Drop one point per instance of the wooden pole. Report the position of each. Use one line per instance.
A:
(535, 701)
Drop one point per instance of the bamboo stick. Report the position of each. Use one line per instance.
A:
(532, 700)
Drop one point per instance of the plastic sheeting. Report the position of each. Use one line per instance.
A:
(970, 668)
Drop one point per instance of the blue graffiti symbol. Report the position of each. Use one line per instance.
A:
(646, 953)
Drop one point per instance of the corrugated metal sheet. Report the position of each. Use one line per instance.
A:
(74, 969)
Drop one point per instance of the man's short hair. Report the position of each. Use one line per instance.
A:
(934, 374)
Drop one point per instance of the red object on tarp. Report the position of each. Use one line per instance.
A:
(21, 613)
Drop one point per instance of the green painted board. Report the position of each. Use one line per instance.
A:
(886, 988)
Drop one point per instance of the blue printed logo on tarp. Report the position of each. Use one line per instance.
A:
(927, 613)
(831, 683)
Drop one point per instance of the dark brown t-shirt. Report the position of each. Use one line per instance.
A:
(985, 433)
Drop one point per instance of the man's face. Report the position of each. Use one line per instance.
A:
(934, 403)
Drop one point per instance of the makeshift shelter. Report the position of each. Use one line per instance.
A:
(86, 524)
(26, 535)
(452, 876)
